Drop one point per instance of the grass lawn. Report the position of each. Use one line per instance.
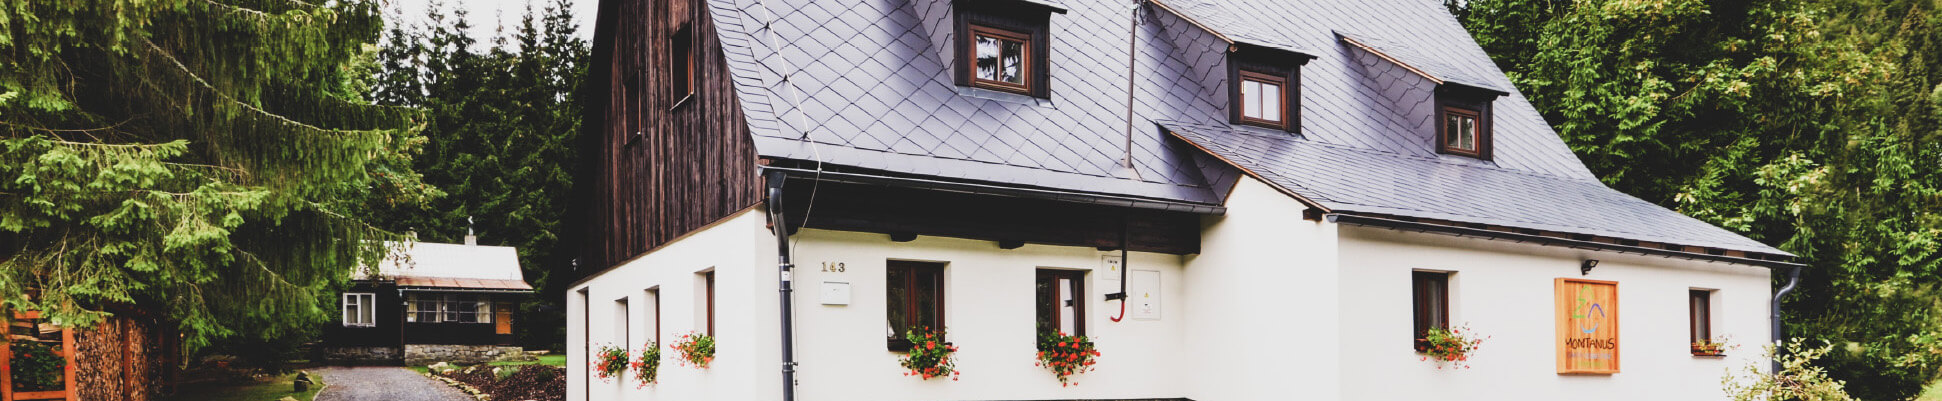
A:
(1932, 393)
(548, 360)
(265, 391)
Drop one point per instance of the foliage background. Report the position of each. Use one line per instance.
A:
(1811, 125)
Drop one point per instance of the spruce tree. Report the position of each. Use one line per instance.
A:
(197, 158)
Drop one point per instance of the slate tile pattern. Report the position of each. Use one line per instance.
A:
(868, 84)
(1346, 179)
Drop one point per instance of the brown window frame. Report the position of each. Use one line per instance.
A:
(654, 295)
(1699, 315)
(1078, 280)
(1240, 101)
(1430, 292)
(933, 272)
(1443, 134)
(709, 280)
(681, 66)
(1025, 66)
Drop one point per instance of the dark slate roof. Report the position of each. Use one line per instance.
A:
(1345, 179)
(1423, 62)
(867, 84)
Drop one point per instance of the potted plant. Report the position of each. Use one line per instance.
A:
(1065, 355)
(1450, 346)
(695, 349)
(929, 355)
(649, 365)
(610, 362)
(1708, 347)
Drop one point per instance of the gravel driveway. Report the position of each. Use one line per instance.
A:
(382, 383)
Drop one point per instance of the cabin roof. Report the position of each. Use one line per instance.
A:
(866, 85)
(457, 266)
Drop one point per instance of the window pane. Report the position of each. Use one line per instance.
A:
(897, 300)
(1047, 308)
(1270, 102)
(1451, 131)
(1068, 313)
(1469, 133)
(1250, 99)
(1000, 60)
(926, 293)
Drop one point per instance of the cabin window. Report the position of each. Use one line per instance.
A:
(1432, 303)
(1061, 301)
(1461, 131)
(681, 65)
(448, 308)
(1263, 100)
(914, 299)
(1700, 304)
(359, 310)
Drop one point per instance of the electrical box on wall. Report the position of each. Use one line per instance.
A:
(1144, 293)
(836, 293)
(1109, 266)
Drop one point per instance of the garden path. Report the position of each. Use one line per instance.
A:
(382, 383)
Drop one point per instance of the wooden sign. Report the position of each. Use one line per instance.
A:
(1587, 320)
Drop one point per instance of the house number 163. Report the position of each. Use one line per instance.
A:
(833, 267)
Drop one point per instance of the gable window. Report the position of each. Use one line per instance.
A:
(1262, 100)
(681, 65)
(359, 310)
(1700, 319)
(1061, 301)
(914, 299)
(1461, 131)
(1001, 46)
(1432, 303)
(447, 308)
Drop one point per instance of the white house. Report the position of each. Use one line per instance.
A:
(1233, 200)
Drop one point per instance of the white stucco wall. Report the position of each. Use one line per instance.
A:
(1505, 290)
(744, 347)
(1261, 303)
(989, 314)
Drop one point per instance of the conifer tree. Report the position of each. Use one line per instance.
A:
(198, 158)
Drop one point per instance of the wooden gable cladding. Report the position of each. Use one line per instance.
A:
(659, 164)
(905, 212)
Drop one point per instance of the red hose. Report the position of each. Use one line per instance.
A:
(1122, 311)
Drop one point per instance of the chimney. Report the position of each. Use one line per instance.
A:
(470, 240)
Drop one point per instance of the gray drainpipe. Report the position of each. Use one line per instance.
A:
(1793, 278)
(783, 267)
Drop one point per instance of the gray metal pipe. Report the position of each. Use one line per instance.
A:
(1793, 279)
(784, 285)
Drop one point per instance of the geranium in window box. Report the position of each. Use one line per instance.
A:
(929, 356)
(1065, 355)
(648, 367)
(610, 362)
(695, 349)
(1708, 347)
(1450, 346)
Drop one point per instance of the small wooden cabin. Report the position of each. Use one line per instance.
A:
(429, 303)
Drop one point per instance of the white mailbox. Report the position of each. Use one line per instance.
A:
(836, 293)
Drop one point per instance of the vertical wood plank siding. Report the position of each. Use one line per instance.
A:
(663, 163)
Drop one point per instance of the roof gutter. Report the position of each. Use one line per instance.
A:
(1015, 192)
(1544, 240)
(450, 289)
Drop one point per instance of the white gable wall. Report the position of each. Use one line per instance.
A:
(746, 347)
(1505, 290)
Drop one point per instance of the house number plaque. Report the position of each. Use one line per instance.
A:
(834, 267)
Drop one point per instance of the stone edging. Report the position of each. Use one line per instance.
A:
(467, 388)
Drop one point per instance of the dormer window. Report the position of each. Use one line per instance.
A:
(1463, 121)
(1264, 87)
(999, 59)
(1001, 46)
(1262, 100)
(1461, 132)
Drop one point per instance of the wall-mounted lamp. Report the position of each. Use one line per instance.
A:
(1585, 268)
